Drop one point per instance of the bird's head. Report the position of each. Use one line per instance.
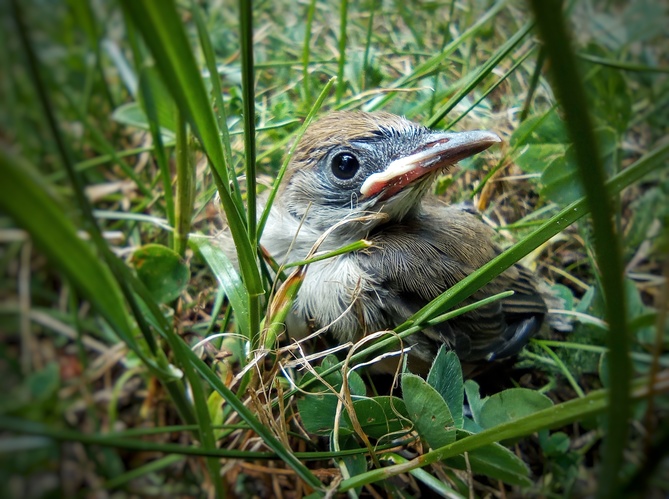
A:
(351, 164)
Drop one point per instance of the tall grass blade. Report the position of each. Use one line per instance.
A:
(571, 93)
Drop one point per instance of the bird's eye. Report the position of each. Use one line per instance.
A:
(345, 166)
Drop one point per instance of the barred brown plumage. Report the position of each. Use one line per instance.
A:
(366, 176)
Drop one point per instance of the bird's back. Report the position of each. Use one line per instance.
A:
(420, 258)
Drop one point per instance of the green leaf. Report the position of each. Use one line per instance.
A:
(610, 98)
(494, 461)
(356, 385)
(163, 271)
(446, 377)
(561, 180)
(474, 399)
(555, 444)
(227, 277)
(648, 212)
(355, 464)
(539, 141)
(318, 409)
(510, 405)
(132, 114)
(381, 416)
(317, 413)
(428, 411)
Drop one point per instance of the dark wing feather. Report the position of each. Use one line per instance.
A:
(421, 258)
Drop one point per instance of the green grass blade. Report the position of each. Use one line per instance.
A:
(163, 33)
(484, 71)
(185, 186)
(249, 111)
(270, 440)
(28, 203)
(341, 62)
(571, 93)
(306, 52)
(492, 87)
(433, 62)
(227, 277)
(149, 104)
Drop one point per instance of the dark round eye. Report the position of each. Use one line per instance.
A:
(345, 165)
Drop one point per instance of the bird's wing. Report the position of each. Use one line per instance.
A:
(418, 261)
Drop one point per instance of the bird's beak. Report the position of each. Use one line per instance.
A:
(440, 150)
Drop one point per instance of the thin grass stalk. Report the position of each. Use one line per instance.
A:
(217, 90)
(205, 430)
(306, 52)
(502, 161)
(534, 84)
(163, 32)
(433, 62)
(84, 14)
(622, 65)
(491, 88)
(437, 74)
(483, 71)
(248, 102)
(185, 186)
(143, 471)
(270, 440)
(571, 93)
(107, 147)
(129, 440)
(122, 326)
(149, 106)
(368, 44)
(341, 63)
(104, 283)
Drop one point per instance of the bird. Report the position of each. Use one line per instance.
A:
(357, 175)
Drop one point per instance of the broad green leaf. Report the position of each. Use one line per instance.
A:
(318, 409)
(131, 114)
(163, 271)
(494, 461)
(561, 179)
(555, 444)
(648, 212)
(356, 385)
(317, 413)
(378, 416)
(381, 416)
(227, 277)
(355, 464)
(474, 399)
(35, 396)
(446, 377)
(428, 411)
(539, 140)
(165, 109)
(510, 405)
(611, 102)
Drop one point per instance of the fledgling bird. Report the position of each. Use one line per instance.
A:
(369, 174)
